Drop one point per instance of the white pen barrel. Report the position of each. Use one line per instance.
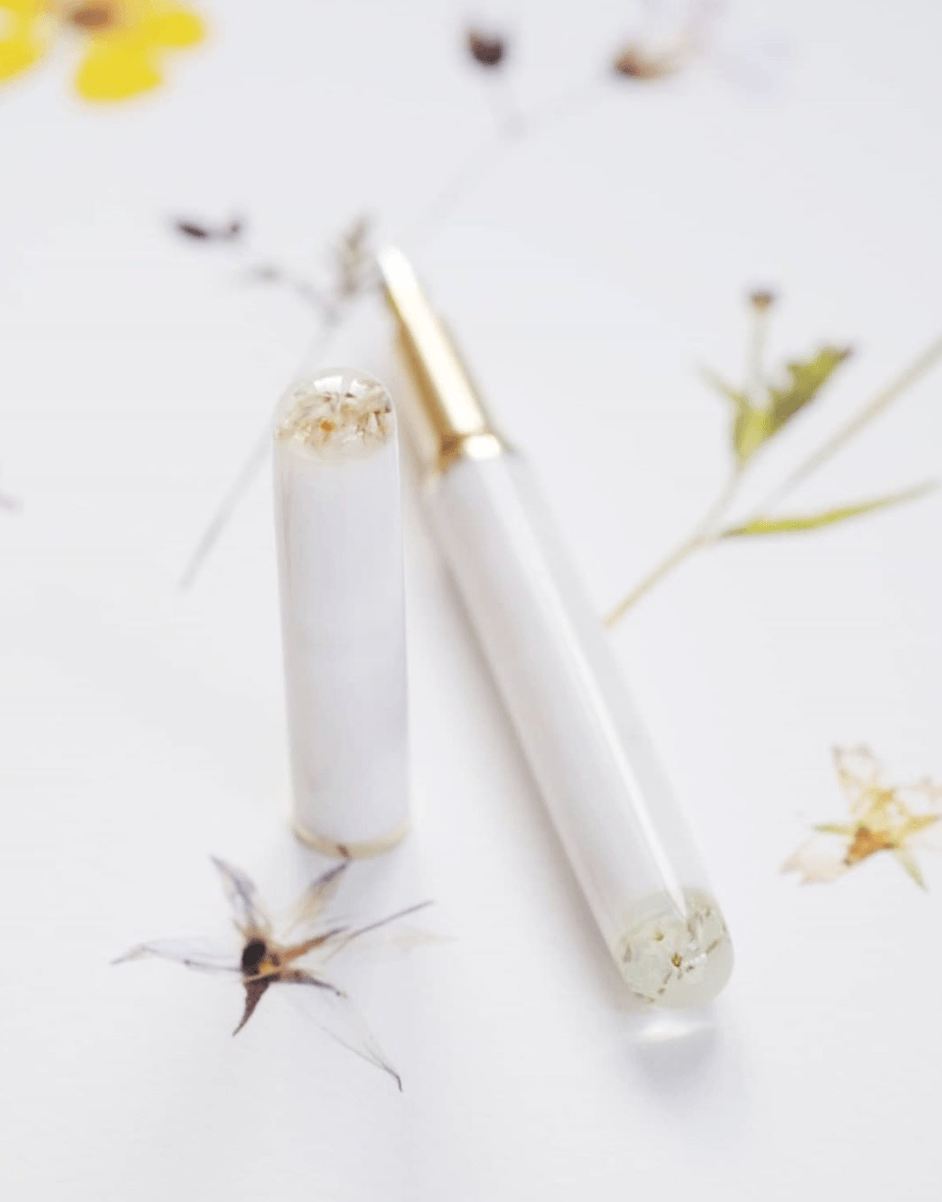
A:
(613, 809)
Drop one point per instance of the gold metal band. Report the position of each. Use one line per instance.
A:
(352, 851)
(445, 418)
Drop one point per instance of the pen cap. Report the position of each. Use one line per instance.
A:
(339, 536)
(628, 840)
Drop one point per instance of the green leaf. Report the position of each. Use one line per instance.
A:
(814, 521)
(847, 830)
(750, 430)
(908, 861)
(750, 426)
(739, 399)
(753, 425)
(804, 382)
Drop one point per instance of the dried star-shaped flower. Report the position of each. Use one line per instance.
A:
(883, 818)
(263, 960)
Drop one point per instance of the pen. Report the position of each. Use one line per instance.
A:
(624, 833)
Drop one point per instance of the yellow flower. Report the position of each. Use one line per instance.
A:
(883, 818)
(125, 40)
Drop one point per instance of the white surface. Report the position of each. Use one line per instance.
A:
(588, 273)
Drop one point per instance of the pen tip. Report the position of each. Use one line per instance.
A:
(396, 271)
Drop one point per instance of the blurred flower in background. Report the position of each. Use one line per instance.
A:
(124, 41)
(883, 818)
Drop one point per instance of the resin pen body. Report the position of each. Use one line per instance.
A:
(608, 798)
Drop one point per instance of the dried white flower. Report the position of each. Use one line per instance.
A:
(337, 414)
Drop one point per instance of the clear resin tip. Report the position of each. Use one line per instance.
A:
(676, 952)
(338, 518)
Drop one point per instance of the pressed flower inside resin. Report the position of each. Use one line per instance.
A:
(676, 955)
(337, 415)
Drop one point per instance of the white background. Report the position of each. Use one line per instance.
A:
(588, 272)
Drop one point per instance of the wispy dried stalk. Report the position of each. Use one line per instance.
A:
(513, 126)
(761, 411)
(354, 264)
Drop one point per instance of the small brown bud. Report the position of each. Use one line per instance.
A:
(635, 63)
(486, 48)
(192, 230)
(223, 233)
(761, 299)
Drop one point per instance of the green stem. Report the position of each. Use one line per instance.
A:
(907, 377)
(755, 373)
(703, 535)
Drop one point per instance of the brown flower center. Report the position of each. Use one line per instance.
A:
(94, 16)
(867, 843)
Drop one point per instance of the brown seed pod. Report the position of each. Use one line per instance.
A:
(761, 299)
(486, 48)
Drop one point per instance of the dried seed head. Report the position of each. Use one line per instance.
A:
(353, 257)
(761, 299)
(486, 48)
(636, 63)
(252, 956)
(219, 233)
(191, 230)
(337, 414)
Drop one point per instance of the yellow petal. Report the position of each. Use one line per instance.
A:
(173, 26)
(22, 8)
(908, 862)
(19, 52)
(116, 68)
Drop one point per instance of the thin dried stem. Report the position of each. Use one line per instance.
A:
(664, 568)
(246, 474)
(708, 531)
(513, 128)
(507, 112)
(272, 273)
(227, 507)
(893, 391)
(755, 364)
(705, 533)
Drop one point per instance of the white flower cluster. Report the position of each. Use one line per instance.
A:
(337, 415)
(670, 955)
